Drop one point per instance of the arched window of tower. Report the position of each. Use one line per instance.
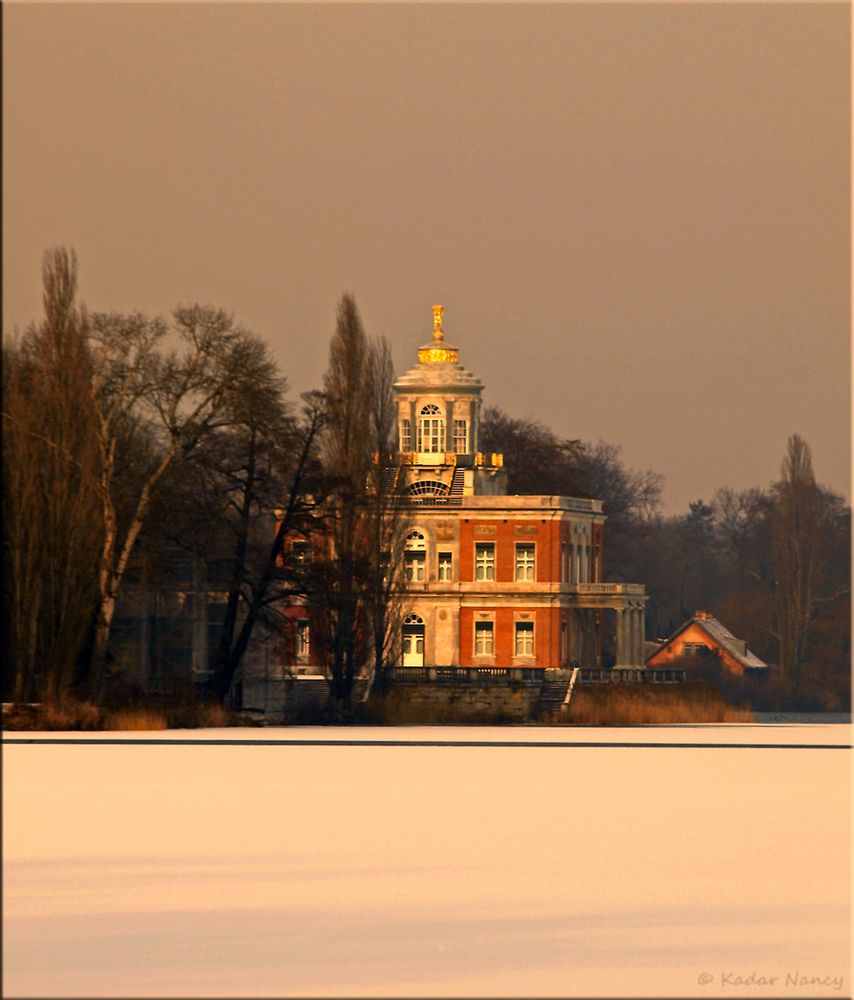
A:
(431, 429)
(415, 539)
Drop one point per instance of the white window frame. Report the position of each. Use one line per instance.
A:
(445, 567)
(415, 564)
(525, 569)
(524, 636)
(406, 434)
(484, 562)
(461, 436)
(431, 429)
(413, 639)
(484, 638)
(303, 638)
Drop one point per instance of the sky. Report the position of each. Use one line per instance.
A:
(637, 216)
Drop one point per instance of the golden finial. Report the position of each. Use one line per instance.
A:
(438, 333)
(444, 354)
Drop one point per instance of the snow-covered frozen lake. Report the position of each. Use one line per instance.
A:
(658, 861)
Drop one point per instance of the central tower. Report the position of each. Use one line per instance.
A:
(438, 425)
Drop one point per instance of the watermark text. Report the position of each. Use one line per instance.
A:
(791, 978)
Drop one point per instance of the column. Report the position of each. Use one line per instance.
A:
(573, 635)
(627, 654)
(630, 636)
(589, 652)
(633, 633)
(620, 652)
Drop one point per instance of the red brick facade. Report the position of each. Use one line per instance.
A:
(494, 580)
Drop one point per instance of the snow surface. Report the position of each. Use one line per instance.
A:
(330, 869)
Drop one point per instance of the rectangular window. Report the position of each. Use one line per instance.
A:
(461, 436)
(694, 648)
(445, 567)
(300, 553)
(484, 561)
(524, 638)
(405, 435)
(564, 563)
(416, 566)
(302, 638)
(525, 561)
(483, 639)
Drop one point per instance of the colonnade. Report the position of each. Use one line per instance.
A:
(630, 635)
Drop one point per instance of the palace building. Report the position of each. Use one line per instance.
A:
(493, 581)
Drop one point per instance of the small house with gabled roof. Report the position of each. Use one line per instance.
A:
(701, 633)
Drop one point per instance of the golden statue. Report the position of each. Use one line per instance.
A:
(438, 312)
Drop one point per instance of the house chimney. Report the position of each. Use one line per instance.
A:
(703, 616)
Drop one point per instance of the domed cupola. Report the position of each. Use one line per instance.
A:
(438, 364)
(438, 412)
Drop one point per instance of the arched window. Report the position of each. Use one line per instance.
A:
(431, 429)
(426, 489)
(415, 540)
(413, 641)
(415, 557)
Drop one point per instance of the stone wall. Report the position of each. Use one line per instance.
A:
(499, 701)
(440, 695)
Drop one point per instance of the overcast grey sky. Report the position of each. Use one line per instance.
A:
(636, 216)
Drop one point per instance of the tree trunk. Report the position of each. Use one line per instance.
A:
(111, 574)
(231, 657)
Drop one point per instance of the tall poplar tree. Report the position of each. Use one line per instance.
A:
(802, 551)
(52, 531)
(356, 577)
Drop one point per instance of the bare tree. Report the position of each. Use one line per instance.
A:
(357, 578)
(741, 519)
(801, 519)
(256, 583)
(341, 571)
(179, 397)
(631, 501)
(538, 462)
(233, 500)
(52, 529)
(387, 519)
(627, 493)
